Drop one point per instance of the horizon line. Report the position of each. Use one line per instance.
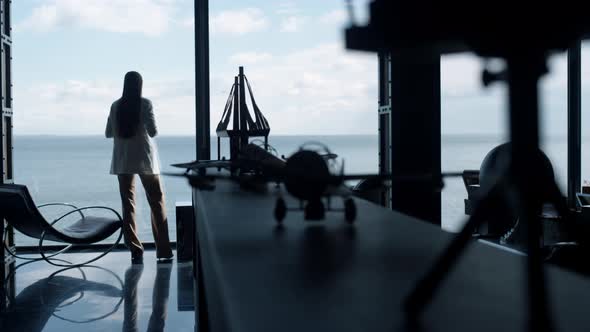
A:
(288, 135)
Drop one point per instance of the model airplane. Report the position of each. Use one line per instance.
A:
(308, 175)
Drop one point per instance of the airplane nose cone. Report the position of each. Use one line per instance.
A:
(307, 175)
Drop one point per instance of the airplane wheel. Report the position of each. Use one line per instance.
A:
(280, 210)
(349, 210)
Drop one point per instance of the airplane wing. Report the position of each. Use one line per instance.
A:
(207, 182)
(325, 156)
(394, 178)
(200, 164)
(196, 181)
(340, 190)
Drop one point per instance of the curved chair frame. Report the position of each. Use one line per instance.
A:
(62, 204)
(48, 258)
(77, 210)
(55, 253)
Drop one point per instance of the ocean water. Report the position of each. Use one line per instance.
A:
(75, 169)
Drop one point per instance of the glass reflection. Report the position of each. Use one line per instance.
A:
(160, 297)
(37, 303)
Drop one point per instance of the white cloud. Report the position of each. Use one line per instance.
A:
(556, 79)
(188, 22)
(287, 8)
(73, 89)
(461, 76)
(335, 17)
(150, 17)
(250, 57)
(293, 23)
(239, 22)
(76, 107)
(302, 93)
(299, 92)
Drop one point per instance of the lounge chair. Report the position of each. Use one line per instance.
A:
(19, 210)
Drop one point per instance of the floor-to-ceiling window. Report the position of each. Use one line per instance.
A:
(473, 120)
(70, 58)
(307, 85)
(554, 116)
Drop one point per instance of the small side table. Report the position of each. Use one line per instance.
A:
(185, 231)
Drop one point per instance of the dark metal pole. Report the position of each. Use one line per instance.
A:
(574, 124)
(524, 72)
(236, 119)
(243, 110)
(234, 138)
(203, 139)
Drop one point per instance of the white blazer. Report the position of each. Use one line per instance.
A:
(137, 154)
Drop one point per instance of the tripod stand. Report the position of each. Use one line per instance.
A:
(521, 187)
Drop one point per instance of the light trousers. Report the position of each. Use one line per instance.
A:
(155, 196)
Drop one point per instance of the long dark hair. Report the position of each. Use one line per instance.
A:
(129, 105)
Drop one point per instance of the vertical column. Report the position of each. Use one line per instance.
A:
(203, 138)
(203, 144)
(6, 92)
(415, 133)
(384, 113)
(6, 165)
(574, 124)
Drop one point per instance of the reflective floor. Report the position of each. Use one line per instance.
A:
(111, 295)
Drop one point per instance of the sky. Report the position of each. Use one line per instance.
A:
(70, 56)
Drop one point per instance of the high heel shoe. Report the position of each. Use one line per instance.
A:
(165, 260)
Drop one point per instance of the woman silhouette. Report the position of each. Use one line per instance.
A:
(131, 122)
